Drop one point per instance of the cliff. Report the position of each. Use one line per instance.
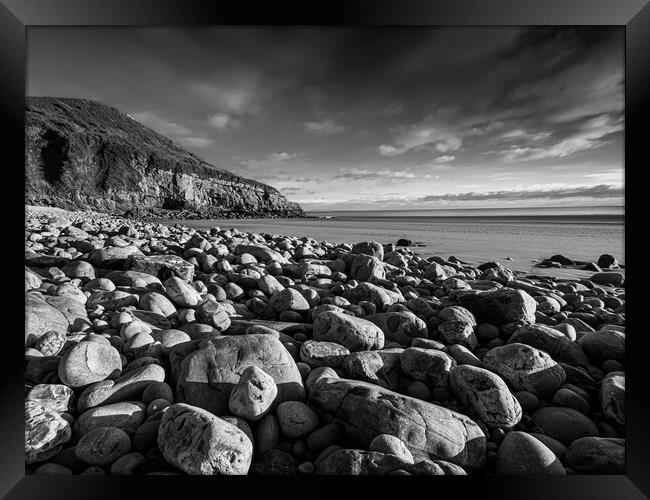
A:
(81, 154)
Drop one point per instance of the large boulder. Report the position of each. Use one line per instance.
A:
(199, 443)
(596, 455)
(128, 387)
(552, 341)
(356, 334)
(564, 424)
(377, 367)
(207, 376)
(485, 395)
(366, 268)
(400, 326)
(371, 248)
(365, 411)
(161, 266)
(498, 307)
(522, 454)
(40, 318)
(602, 345)
(89, 362)
(525, 368)
(113, 257)
(46, 431)
(373, 293)
(430, 366)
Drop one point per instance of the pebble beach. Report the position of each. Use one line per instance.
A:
(155, 349)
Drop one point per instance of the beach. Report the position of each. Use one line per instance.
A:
(525, 236)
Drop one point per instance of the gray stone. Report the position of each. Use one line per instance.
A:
(199, 443)
(356, 334)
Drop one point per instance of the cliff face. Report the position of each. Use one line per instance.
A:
(80, 154)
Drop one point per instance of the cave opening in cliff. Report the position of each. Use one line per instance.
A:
(53, 155)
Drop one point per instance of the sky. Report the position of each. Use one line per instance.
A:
(368, 118)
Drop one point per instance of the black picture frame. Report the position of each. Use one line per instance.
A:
(18, 15)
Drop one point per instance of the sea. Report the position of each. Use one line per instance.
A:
(516, 237)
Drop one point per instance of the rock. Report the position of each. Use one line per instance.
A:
(561, 259)
(553, 342)
(525, 368)
(212, 313)
(564, 424)
(208, 375)
(113, 257)
(267, 434)
(603, 345)
(399, 326)
(288, 300)
(56, 397)
(359, 462)
(402, 242)
(486, 395)
(367, 268)
(521, 453)
(608, 278)
(253, 395)
(79, 269)
(51, 343)
(52, 469)
(371, 248)
(112, 300)
(40, 318)
(46, 431)
(355, 334)
(180, 293)
(596, 455)
(261, 252)
(570, 399)
(127, 464)
(89, 362)
(317, 353)
(427, 365)
(103, 445)
(373, 293)
(377, 367)
(161, 266)
(129, 386)
(365, 410)
(457, 332)
(199, 443)
(607, 261)
(385, 443)
(274, 463)
(457, 313)
(612, 396)
(127, 415)
(499, 307)
(296, 419)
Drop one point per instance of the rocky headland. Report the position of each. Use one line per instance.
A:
(84, 155)
(152, 349)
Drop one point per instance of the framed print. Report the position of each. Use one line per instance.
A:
(297, 245)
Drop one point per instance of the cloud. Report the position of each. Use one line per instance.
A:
(178, 133)
(365, 174)
(421, 137)
(195, 142)
(238, 99)
(222, 121)
(599, 191)
(284, 156)
(587, 136)
(323, 127)
(444, 159)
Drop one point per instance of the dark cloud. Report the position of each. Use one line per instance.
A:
(599, 191)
